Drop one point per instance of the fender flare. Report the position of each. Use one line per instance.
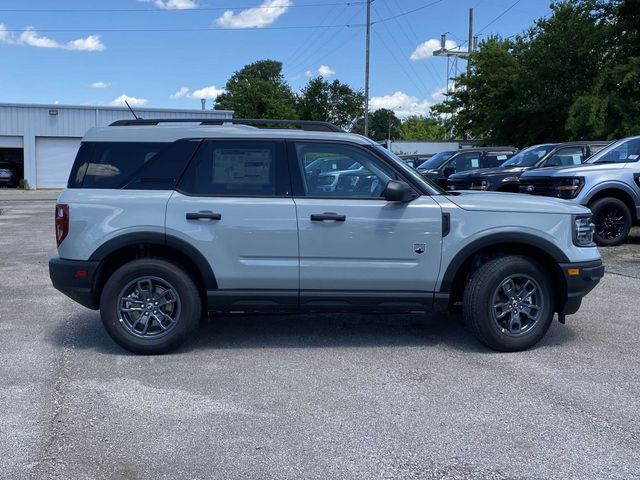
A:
(493, 239)
(131, 239)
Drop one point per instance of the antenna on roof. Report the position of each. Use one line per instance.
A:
(131, 110)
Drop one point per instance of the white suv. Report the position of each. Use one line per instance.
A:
(163, 220)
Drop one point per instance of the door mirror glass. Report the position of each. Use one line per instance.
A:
(398, 191)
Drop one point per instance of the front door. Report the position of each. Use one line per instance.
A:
(351, 239)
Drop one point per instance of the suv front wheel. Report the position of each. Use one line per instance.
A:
(508, 303)
(612, 220)
(150, 306)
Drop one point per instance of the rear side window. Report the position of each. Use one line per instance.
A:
(495, 159)
(131, 165)
(237, 168)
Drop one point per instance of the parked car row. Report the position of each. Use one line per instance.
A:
(600, 175)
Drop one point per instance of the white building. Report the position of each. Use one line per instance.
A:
(41, 141)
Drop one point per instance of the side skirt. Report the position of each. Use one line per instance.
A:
(292, 301)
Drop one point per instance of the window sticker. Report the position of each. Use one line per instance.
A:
(241, 167)
(502, 157)
(475, 163)
(633, 157)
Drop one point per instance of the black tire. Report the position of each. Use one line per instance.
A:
(478, 303)
(187, 307)
(605, 211)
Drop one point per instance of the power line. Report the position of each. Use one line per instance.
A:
(196, 9)
(408, 12)
(195, 29)
(498, 17)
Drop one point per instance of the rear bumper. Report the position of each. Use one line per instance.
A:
(76, 279)
(583, 278)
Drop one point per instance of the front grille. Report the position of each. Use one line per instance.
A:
(539, 186)
(459, 184)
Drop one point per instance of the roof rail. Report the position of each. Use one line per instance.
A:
(307, 125)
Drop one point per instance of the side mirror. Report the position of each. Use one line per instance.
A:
(449, 171)
(397, 191)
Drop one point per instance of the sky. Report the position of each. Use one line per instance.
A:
(172, 53)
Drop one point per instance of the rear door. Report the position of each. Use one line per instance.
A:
(354, 242)
(234, 205)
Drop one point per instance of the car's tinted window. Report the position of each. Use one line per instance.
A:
(437, 160)
(528, 156)
(495, 159)
(111, 164)
(465, 161)
(566, 156)
(329, 164)
(367, 176)
(237, 168)
(623, 151)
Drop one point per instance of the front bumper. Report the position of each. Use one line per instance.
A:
(76, 279)
(580, 278)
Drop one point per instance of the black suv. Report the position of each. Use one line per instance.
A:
(439, 167)
(505, 178)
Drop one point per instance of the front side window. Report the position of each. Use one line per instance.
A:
(465, 161)
(437, 160)
(566, 157)
(623, 151)
(366, 176)
(235, 168)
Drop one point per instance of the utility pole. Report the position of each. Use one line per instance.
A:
(454, 55)
(366, 71)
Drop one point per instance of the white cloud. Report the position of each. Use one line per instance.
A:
(402, 104)
(133, 101)
(326, 70)
(173, 4)
(426, 49)
(308, 73)
(208, 93)
(439, 95)
(179, 94)
(100, 85)
(267, 13)
(31, 38)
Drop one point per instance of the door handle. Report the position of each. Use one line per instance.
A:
(319, 217)
(203, 215)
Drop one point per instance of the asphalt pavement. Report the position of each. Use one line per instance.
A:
(322, 396)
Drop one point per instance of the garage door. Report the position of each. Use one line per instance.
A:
(54, 159)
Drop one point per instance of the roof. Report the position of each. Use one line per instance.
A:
(54, 106)
(172, 132)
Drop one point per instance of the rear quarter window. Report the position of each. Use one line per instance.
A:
(131, 165)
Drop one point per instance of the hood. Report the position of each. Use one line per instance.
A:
(514, 202)
(488, 172)
(574, 170)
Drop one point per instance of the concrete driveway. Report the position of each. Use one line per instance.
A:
(326, 396)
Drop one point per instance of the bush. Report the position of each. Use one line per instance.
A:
(24, 184)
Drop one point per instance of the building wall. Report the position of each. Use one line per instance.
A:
(30, 121)
(428, 148)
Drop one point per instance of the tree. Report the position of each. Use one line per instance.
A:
(258, 90)
(416, 127)
(383, 124)
(333, 102)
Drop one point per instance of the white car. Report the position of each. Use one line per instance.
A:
(163, 220)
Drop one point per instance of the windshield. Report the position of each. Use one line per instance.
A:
(433, 187)
(528, 156)
(437, 160)
(622, 151)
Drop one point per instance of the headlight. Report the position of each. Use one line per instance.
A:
(569, 187)
(510, 179)
(481, 185)
(583, 229)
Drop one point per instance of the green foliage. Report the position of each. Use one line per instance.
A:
(573, 75)
(24, 184)
(417, 127)
(258, 90)
(333, 102)
(383, 124)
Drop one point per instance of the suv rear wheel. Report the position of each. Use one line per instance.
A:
(612, 220)
(508, 303)
(150, 306)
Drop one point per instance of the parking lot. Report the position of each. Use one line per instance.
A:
(325, 396)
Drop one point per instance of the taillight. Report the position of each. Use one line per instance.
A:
(62, 222)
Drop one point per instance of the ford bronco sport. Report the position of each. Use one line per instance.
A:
(164, 220)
